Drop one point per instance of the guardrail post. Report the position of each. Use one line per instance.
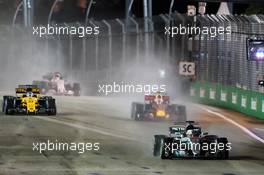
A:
(110, 46)
(83, 57)
(167, 24)
(96, 47)
(70, 50)
(137, 40)
(123, 40)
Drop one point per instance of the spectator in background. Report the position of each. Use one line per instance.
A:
(81, 9)
(82, 4)
(67, 11)
(70, 11)
(58, 13)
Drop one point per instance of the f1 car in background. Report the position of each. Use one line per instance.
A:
(28, 101)
(188, 141)
(53, 83)
(158, 107)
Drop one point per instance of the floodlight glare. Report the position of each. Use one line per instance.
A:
(255, 50)
(162, 73)
(261, 83)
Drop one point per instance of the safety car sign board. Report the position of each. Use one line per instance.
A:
(187, 68)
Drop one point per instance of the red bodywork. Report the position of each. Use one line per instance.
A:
(159, 104)
(151, 98)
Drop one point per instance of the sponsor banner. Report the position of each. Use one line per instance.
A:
(244, 101)
(202, 93)
(263, 106)
(212, 94)
(192, 91)
(223, 96)
(234, 98)
(254, 104)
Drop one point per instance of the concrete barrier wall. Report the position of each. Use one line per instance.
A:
(244, 101)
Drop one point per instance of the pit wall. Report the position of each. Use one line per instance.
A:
(244, 101)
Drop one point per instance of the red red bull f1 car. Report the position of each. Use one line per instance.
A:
(158, 107)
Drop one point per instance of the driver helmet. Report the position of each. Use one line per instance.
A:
(159, 98)
(189, 133)
(57, 75)
(30, 94)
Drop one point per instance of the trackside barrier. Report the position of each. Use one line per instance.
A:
(244, 101)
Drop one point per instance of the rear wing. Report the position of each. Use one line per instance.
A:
(186, 122)
(153, 97)
(192, 122)
(27, 86)
(24, 89)
(178, 126)
(21, 90)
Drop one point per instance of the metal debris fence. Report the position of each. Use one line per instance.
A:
(221, 59)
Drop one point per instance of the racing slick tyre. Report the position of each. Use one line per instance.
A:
(137, 111)
(205, 153)
(216, 152)
(5, 98)
(148, 108)
(76, 89)
(224, 153)
(166, 152)
(158, 142)
(50, 106)
(8, 105)
(4, 103)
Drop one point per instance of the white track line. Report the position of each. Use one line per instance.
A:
(259, 129)
(234, 123)
(84, 128)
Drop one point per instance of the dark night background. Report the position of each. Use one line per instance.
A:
(74, 10)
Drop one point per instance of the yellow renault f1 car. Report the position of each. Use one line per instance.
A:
(28, 100)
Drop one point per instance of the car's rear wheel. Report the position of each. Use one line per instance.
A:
(8, 106)
(158, 142)
(224, 153)
(166, 152)
(137, 111)
(76, 89)
(52, 107)
(4, 104)
(49, 105)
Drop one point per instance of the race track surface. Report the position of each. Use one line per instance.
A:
(125, 145)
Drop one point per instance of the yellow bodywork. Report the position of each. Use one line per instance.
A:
(161, 113)
(30, 103)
